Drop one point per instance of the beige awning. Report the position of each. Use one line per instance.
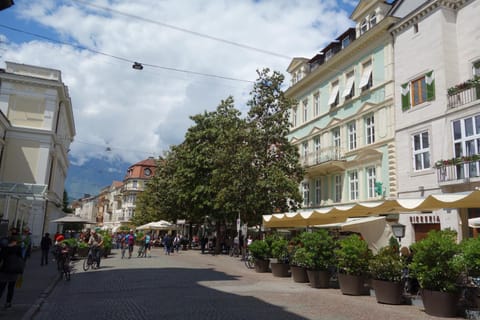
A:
(337, 214)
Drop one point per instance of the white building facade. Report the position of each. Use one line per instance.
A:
(437, 109)
(34, 160)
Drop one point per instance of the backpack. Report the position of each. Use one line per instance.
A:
(130, 239)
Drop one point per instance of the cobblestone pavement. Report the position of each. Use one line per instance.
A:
(190, 285)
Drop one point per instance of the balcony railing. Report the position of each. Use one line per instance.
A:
(322, 156)
(463, 93)
(459, 169)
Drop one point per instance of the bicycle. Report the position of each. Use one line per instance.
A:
(249, 260)
(90, 261)
(63, 264)
(234, 251)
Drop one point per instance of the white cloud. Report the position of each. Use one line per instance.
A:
(141, 113)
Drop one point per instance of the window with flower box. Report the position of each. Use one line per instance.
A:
(466, 139)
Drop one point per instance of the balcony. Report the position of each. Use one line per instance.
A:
(458, 170)
(326, 160)
(463, 93)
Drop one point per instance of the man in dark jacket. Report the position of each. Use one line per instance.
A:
(45, 244)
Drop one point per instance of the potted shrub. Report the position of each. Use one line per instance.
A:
(318, 257)
(279, 251)
(82, 250)
(298, 265)
(352, 259)
(260, 251)
(470, 249)
(438, 266)
(386, 269)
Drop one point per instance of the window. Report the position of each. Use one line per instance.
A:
(318, 191)
(364, 26)
(349, 91)
(373, 19)
(317, 145)
(134, 184)
(466, 138)
(294, 117)
(345, 42)
(306, 194)
(418, 91)
(334, 99)
(421, 151)
(366, 80)
(329, 54)
(353, 185)
(305, 151)
(370, 129)
(371, 178)
(476, 69)
(305, 110)
(316, 104)
(352, 136)
(338, 188)
(336, 143)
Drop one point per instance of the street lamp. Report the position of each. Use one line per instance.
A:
(399, 231)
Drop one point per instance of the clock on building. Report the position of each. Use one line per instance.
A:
(147, 171)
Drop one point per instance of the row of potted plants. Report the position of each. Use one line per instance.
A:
(440, 264)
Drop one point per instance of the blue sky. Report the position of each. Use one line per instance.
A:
(137, 114)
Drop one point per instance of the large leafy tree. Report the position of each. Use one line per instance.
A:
(229, 165)
(276, 161)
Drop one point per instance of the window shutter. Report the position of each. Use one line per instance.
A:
(405, 96)
(430, 82)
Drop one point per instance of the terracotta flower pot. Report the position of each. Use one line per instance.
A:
(353, 285)
(388, 292)
(280, 269)
(262, 265)
(319, 278)
(440, 304)
(299, 274)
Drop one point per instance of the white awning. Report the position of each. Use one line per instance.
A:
(348, 87)
(333, 95)
(365, 76)
(474, 223)
(340, 214)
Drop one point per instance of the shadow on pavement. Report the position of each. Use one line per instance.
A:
(169, 293)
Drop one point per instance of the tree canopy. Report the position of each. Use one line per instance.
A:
(228, 165)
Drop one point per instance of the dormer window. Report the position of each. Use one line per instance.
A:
(364, 26)
(329, 54)
(373, 19)
(345, 42)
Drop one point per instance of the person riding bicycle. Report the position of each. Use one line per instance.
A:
(95, 242)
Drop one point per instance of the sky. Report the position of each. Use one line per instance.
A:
(194, 55)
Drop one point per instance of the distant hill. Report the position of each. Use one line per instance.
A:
(92, 176)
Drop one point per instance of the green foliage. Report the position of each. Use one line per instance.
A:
(317, 250)
(470, 249)
(82, 245)
(107, 239)
(260, 249)
(436, 261)
(71, 242)
(387, 264)
(279, 248)
(300, 257)
(353, 255)
(229, 164)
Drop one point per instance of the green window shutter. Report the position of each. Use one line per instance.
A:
(405, 96)
(430, 82)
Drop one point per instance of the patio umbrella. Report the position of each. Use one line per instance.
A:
(72, 219)
(157, 225)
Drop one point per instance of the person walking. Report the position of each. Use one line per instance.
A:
(45, 245)
(130, 242)
(12, 266)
